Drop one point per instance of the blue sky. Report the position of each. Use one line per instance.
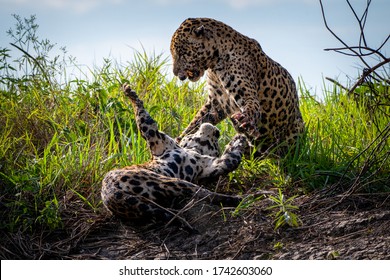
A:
(290, 31)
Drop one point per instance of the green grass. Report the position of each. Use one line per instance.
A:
(341, 137)
(59, 135)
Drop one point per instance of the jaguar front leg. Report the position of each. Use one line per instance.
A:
(230, 159)
(243, 97)
(211, 112)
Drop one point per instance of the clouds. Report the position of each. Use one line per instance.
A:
(235, 4)
(241, 4)
(85, 6)
(75, 6)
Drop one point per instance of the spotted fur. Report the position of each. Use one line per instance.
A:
(244, 84)
(171, 178)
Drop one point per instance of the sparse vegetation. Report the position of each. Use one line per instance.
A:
(59, 135)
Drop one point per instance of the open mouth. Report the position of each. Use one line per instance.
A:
(192, 75)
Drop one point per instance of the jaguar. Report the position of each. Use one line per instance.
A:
(154, 190)
(244, 84)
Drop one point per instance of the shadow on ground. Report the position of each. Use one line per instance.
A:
(354, 227)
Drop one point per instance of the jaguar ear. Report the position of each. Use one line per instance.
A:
(199, 31)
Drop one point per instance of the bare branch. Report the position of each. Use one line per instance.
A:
(367, 73)
(361, 21)
(371, 51)
(362, 51)
(337, 83)
(357, 54)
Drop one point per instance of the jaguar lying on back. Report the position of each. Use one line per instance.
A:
(257, 93)
(170, 179)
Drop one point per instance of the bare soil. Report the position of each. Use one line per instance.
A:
(353, 227)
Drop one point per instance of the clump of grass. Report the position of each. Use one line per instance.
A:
(341, 138)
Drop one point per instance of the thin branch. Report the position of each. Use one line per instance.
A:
(355, 51)
(337, 83)
(371, 51)
(337, 37)
(327, 26)
(367, 73)
(362, 21)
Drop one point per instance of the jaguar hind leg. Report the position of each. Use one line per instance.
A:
(134, 194)
(158, 141)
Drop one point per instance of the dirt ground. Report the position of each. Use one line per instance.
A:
(353, 227)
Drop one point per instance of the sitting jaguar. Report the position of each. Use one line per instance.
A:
(244, 84)
(148, 191)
